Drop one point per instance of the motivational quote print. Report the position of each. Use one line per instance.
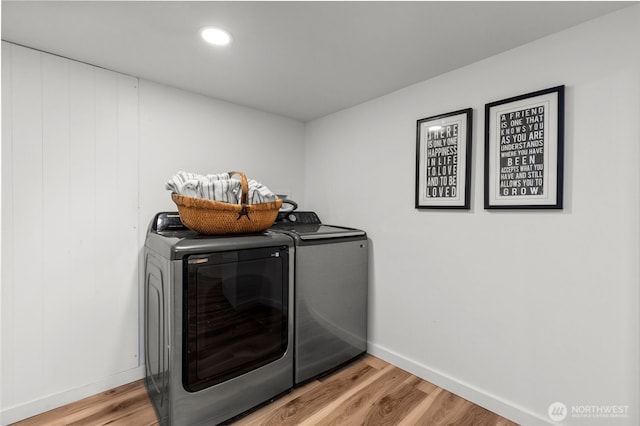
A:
(442, 161)
(522, 152)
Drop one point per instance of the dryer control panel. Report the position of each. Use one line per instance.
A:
(167, 221)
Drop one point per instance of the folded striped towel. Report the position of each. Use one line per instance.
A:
(218, 187)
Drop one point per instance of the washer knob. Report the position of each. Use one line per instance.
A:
(292, 217)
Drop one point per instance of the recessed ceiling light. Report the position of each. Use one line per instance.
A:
(215, 36)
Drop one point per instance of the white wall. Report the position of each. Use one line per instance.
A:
(513, 310)
(69, 276)
(185, 131)
(83, 147)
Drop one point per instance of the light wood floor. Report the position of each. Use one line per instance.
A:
(366, 392)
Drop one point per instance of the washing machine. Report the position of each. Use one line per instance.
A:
(331, 291)
(218, 321)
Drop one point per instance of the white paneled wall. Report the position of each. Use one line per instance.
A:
(69, 230)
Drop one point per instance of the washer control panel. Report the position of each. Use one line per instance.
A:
(310, 218)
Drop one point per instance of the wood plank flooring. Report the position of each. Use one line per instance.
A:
(367, 392)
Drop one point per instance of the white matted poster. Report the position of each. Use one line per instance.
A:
(443, 161)
(524, 150)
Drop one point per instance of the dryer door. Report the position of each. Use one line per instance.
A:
(236, 314)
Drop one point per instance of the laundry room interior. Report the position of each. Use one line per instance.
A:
(513, 309)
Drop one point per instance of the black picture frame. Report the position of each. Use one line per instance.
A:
(524, 151)
(443, 160)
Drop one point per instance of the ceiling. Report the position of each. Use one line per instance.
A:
(303, 60)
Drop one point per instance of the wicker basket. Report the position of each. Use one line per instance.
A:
(219, 218)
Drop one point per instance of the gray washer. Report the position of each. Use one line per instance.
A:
(331, 290)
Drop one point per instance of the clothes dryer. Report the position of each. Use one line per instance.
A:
(218, 321)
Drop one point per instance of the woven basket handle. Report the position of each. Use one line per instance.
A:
(244, 185)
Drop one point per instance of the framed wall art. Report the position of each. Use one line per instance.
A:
(443, 161)
(524, 151)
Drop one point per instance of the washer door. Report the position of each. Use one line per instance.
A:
(331, 305)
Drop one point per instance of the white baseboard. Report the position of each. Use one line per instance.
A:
(464, 390)
(23, 411)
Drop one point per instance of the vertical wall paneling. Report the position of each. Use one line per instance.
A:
(116, 213)
(82, 202)
(56, 223)
(70, 230)
(126, 221)
(27, 206)
(6, 291)
(106, 291)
